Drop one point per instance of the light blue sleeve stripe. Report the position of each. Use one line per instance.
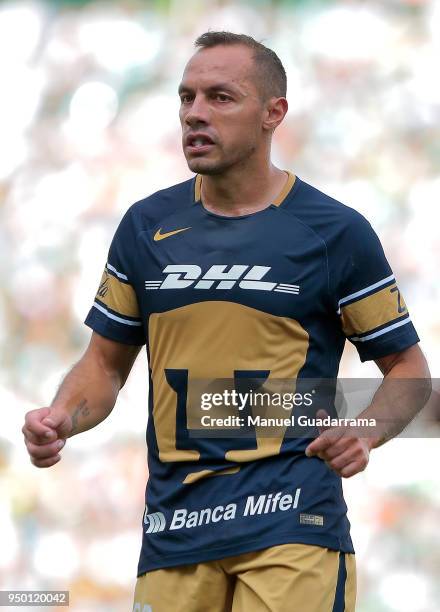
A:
(118, 274)
(381, 331)
(114, 317)
(363, 291)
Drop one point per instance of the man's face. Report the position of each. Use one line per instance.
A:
(221, 109)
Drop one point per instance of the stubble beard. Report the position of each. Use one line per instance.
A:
(221, 166)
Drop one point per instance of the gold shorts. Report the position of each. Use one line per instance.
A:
(286, 578)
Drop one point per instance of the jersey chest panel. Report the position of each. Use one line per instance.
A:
(266, 261)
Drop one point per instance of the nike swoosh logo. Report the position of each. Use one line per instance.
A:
(159, 236)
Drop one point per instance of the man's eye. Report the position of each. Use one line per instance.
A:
(185, 99)
(222, 97)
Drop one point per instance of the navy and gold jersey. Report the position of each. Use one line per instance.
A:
(274, 293)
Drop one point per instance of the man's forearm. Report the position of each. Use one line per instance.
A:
(88, 393)
(404, 391)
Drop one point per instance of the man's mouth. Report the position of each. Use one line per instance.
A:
(199, 143)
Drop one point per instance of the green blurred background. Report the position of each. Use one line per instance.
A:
(88, 125)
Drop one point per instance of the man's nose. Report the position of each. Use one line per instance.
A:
(198, 112)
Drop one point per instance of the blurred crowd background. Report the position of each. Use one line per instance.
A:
(88, 125)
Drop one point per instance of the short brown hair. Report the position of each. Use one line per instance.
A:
(271, 76)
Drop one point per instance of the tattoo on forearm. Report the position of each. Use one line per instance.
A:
(82, 410)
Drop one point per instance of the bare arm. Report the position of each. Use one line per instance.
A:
(404, 391)
(89, 391)
(86, 397)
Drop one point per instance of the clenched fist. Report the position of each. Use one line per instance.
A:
(45, 431)
(341, 448)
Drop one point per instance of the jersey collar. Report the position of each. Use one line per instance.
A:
(277, 201)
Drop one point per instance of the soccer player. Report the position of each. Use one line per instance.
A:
(242, 272)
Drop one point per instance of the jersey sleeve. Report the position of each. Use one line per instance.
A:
(115, 311)
(371, 309)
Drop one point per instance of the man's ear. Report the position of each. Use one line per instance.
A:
(275, 111)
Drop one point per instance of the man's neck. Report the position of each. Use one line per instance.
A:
(242, 193)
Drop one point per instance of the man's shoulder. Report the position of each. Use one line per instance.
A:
(314, 200)
(323, 213)
(179, 190)
(153, 208)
